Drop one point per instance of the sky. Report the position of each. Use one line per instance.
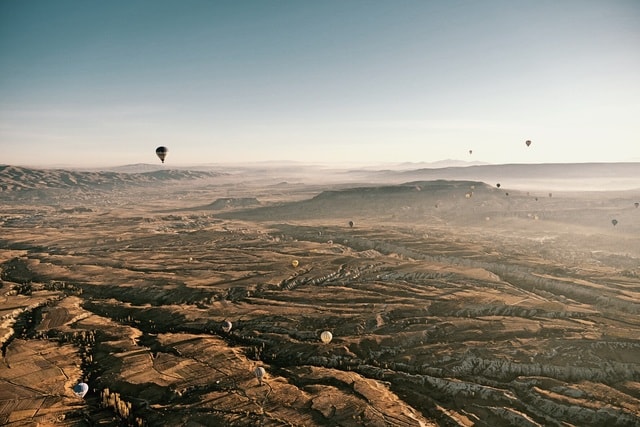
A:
(102, 83)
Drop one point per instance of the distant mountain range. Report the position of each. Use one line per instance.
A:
(568, 176)
(15, 178)
(552, 176)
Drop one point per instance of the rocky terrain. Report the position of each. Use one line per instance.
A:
(450, 302)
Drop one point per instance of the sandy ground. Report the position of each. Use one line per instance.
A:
(450, 304)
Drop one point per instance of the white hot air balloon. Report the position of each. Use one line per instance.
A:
(326, 337)
(260, 373)
(80, 389)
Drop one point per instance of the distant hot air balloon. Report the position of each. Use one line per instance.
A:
(470, 151)
(294, 263)
(161, 152)
(614, 222)
(80, 389)
(506, 194)
(636, 204)
(498, 185)
(260, 373)
(550, 194)
(528, 142)
(226, 326)
(326, 337)
(351, 224)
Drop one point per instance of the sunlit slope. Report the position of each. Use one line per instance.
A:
(466, 203)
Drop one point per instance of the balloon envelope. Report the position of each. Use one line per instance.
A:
(614, 222)
(161, 152)
(350, 223)
(294, 263)
(226, 326)
(80, 389)
(528, 143)
(326, 337)
(498, 185)
(260, 373)
(636, 204)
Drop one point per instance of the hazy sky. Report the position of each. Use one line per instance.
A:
(88, 82)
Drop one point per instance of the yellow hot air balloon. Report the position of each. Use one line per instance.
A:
(326, 337)
(294, 263)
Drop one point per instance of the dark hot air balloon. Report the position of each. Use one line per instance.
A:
(614, 222)
(498, 185)
(528, 142)
(226, 326)
(161, 152)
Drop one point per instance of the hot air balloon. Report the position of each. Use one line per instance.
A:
(226, 326)
(326, 337)
(636, 204)
(80, 389)
(260, 373)
(528, 142)
(470, 151)
(614, 222)
(161, 152)
(351, 224)
(498, 185)
(294, 263)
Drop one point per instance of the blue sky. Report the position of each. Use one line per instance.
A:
(100, 83)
